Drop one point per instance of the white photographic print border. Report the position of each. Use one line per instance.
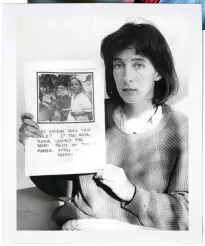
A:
(194, 235)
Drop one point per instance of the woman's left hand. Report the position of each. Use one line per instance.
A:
(116, 179)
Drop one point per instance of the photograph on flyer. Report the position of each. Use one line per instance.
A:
(65, 97)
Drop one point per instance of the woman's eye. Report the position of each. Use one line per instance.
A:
(138, 65)
(117, 65)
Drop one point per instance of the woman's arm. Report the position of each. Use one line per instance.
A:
(55, 185)
(85, 106)
(166, 210)
(169, 210)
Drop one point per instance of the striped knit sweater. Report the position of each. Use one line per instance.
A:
(156, 162)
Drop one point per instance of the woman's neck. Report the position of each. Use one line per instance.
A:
(76, 94)
(132, 110)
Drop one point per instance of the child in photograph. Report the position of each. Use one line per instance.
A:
(52, 110)
(145, 180)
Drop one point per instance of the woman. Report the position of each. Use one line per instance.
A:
(145, 182)
(80, 104)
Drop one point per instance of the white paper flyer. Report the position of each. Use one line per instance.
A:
(67, 101)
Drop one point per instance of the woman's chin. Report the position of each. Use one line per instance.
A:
(130, 100)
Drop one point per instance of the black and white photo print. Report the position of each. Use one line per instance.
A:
(148, 63)
(65, 97)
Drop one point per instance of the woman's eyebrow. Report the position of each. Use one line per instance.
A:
(133, 59)
(138, 59)
(117, 59)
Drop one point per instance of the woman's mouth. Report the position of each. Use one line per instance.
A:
(129, 89)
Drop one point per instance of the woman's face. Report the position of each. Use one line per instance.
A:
(134, 76)
(75, 86)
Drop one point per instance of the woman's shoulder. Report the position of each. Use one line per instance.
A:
(175, 114)
(176, 120)
(83, 96)
(175, 130)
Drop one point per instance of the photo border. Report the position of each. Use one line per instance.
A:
(194, 235)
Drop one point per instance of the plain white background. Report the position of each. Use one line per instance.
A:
(196, 99)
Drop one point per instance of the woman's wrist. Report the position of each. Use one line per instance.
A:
(132, 194)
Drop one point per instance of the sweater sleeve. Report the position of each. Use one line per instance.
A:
(168, 210)
(55, 185)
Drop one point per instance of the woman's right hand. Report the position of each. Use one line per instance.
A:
(29, 128)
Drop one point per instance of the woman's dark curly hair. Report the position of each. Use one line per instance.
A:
(147, 41)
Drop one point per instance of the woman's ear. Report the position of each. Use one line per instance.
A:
(158, 76)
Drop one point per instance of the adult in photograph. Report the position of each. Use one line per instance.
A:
(81, 106)
(145, 182)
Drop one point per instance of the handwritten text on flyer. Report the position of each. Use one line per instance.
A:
(64, 142)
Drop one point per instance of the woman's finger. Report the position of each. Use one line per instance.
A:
(32, 130)
(21, 129)
(23, 136)
(107, 183)
(99, 174)
(106, 175)
(108, 172)
(31, 123)
(31, 134)
(26, 115)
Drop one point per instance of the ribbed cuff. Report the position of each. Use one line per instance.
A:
(126, 203)
(139, 203)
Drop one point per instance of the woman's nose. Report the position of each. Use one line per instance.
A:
(128, 75)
